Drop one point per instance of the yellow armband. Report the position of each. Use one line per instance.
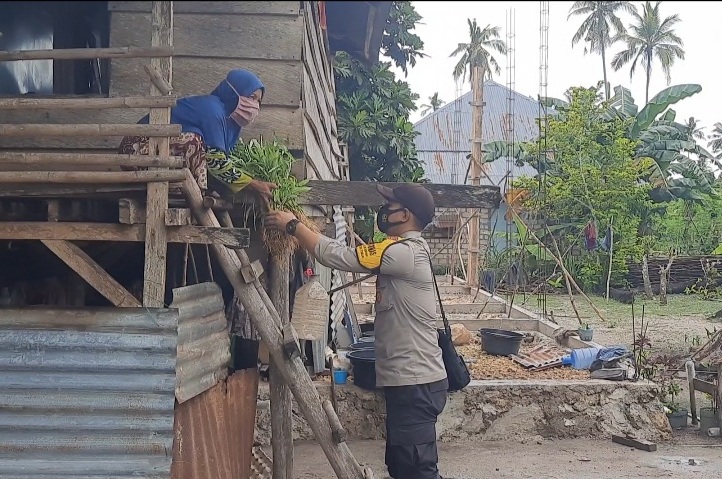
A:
(370, 255)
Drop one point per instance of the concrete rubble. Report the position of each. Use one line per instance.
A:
(504, 410)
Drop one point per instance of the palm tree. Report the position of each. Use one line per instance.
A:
(477, 53)
(599, 27)
(695, 131)
(434, 104)
(715, 142)
(650, 37)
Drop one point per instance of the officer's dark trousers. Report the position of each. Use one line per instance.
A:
(411, 413)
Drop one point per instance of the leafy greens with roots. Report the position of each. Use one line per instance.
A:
(271, 161)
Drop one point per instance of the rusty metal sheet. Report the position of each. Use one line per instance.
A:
(214, 430)
(86, 392)
(204, 347)
(539, 358)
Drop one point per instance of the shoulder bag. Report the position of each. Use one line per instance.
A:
(457, 371)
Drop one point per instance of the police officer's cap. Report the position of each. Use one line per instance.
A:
(414, 197)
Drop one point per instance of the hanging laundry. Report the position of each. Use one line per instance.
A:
(590, 235)
(606, 243)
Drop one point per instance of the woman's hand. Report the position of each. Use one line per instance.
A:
(264, 189)
(278, 219)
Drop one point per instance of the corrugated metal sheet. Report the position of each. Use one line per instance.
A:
(443, 152)
(214, 430)
(539, 358)
(204, 347)
(87, 392)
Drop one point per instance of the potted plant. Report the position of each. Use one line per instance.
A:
(708, 415)
(676, 414)
(585, 332)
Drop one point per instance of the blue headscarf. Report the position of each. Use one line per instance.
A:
(209, 115)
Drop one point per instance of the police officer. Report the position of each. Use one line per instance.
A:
(409, 365)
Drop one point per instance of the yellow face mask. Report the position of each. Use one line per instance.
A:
(370, 255)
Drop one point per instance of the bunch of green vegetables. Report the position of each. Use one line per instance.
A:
(271, 161)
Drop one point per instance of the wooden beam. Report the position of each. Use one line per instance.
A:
(91, 272)
(281, 404)
(29, 130)
(96, 159)
(363, 193)
(86, 103)
(156, 246)
(640, 444)
(235, 238)
(132, 212)
(85, 53)
(89, 177)
(156, 78)
(477, 117)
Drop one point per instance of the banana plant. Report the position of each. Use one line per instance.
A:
(659, 138)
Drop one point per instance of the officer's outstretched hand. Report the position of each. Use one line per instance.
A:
(277, 219)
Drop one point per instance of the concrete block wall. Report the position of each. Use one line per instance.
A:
(438, 237)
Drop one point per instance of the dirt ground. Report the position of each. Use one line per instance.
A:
(679, 327)
(567, 459)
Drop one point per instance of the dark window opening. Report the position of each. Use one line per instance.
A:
(54, 25)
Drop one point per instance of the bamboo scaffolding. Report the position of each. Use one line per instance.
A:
(87, 103)
(90, 177)
(30, 130)
(95, 159)
(85, 53)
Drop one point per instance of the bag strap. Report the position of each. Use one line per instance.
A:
(447, 327)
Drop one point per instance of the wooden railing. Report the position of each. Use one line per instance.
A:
(162, 167)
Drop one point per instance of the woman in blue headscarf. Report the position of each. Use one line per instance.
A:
(210, 128)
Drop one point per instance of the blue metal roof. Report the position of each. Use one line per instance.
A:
(443, 143)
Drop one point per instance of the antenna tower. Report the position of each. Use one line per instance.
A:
(510, 130)
(542, 139)
(457, 164)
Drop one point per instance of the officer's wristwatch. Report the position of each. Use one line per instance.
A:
(291, 226)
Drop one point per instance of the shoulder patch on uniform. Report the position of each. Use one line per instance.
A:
(371, 255)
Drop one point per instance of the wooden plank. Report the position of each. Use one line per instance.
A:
(98, 159)
(238, 8)
(314, 54)
(281, 399)
(85, 103)
(35, 130)
(282, 78)
(363, 193)
(156, 244)
(26, 231)
(704, 387)
(635, 443)
(132, 212)
(99, 177)
(284, 122)
(197, 35)
(73, 191)
(91, 272)
(85, 53)
(316, 155)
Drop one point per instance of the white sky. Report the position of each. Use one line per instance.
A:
(445, 26)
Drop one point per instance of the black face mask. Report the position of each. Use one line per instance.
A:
(382, 219)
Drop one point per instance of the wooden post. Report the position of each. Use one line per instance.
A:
(718, 401)
(477, 93)
(267, 322)
(281, 405)
(156, 246)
